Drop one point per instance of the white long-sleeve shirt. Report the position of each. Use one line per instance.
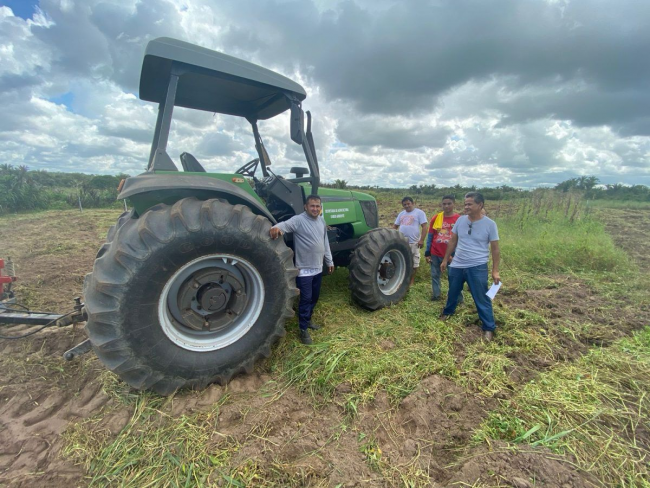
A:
(310, 243)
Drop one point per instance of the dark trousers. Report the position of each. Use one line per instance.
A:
(435, 278)
(477, 279)
(309, 287)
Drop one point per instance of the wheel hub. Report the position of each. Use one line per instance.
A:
(211, 302)
(213, 297)
(391, 272)
(387, 270)
(209, 299)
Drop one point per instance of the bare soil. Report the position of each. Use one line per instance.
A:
(427, 435)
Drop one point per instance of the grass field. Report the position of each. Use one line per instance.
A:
(390, 398)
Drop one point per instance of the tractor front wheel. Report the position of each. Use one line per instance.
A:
(380, 269)
(188, 294)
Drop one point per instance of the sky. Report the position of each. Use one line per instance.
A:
(524, 93)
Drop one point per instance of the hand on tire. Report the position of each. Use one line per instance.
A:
(275, 232)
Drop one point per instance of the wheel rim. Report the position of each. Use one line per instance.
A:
(211, 302)
(391, 272)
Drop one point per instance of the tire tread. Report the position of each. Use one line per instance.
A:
(130, 241)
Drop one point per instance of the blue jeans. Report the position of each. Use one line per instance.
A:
(309, 287)
(477, 279)
(435, 278)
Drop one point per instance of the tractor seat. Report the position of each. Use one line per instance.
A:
(191, 164)
(299, 172)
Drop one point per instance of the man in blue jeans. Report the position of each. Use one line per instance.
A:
(473, 237)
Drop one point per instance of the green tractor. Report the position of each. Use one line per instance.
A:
(189, 288)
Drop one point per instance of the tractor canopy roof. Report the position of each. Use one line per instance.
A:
(213, 81)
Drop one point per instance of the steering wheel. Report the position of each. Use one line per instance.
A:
(249, 168)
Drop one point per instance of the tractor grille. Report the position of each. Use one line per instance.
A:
(370, 213)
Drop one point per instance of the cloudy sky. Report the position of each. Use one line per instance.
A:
(516, 92)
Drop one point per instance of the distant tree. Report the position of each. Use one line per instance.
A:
(583, 183)
(18, 191)
(587, 182)
(104, 182)
(340, 184)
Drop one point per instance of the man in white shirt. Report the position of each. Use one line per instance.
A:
(311, 246)
(412, 223)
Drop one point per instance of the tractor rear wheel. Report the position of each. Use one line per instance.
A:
(380, 269)
(188, 295)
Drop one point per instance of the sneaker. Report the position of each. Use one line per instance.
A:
(313, 326)
(488, 335)
(444, 317)
(305, 338)
(434, 299)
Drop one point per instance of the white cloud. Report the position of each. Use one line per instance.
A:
(401, 93)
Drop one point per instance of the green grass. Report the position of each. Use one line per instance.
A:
(547, 235)
(618, 204)
(159, 449)
(596, 409)
(154, 449)
(390, 351)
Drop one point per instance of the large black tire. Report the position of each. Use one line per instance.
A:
(380, 269)
(188, 295)
(124, 217)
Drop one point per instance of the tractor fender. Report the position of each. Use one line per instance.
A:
(148, 189)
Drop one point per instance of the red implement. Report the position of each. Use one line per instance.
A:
(5, 279)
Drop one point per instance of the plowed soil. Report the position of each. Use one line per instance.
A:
(427, 434)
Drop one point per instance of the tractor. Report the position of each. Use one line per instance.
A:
(189, 288)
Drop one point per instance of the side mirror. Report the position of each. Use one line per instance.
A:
(297, 123)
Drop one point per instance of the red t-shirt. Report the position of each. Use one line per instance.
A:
(441, 237)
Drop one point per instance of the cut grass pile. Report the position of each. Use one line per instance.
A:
(367, 352)
(159, 449)
(596, 409)
(154, 449)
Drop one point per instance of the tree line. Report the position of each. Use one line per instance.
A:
(22, 189)
(589, 187)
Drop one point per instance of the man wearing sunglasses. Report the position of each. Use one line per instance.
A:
(472, 239)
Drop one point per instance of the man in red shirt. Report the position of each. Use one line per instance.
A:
(437, 239)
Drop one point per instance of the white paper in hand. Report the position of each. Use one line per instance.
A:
(493, 290)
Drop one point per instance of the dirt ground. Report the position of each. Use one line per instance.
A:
(427, 435)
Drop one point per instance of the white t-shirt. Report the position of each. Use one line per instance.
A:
(410, 224)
